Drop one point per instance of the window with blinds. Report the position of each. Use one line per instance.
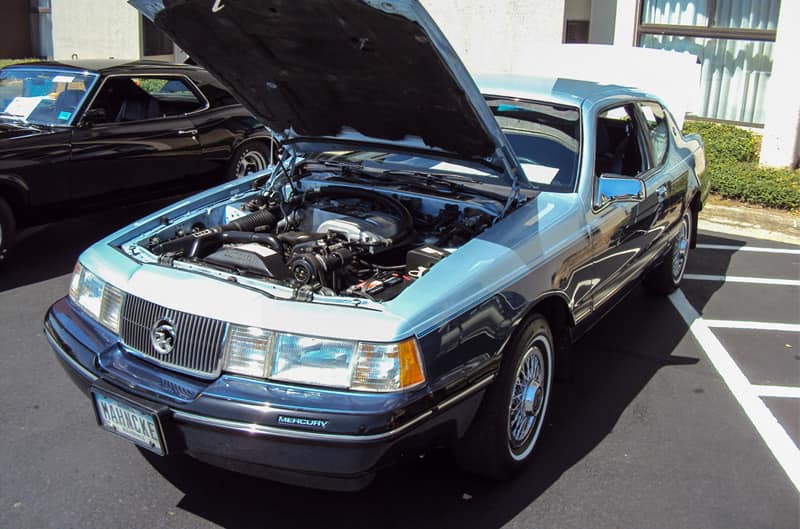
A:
(732, 40)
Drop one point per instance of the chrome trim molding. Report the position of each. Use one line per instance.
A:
(306, 435)
(467, 392)
(292, 434)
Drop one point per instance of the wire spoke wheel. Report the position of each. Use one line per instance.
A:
(507, 426)
(667, 274)
(527, 396)
(681, 251)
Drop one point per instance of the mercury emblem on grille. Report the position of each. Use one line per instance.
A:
(162, 336)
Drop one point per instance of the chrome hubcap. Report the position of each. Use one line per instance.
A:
(681, 250)
(250, 162)
(527, 397)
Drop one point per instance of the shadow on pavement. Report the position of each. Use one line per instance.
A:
(611, 369)
(699, 293)
(48, 251)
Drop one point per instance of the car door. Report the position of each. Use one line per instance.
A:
(617, 228)
(135, 139)
(665, 182)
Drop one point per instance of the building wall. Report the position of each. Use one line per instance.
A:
(781, 144)
(95, 29)
(492, 36)
(15, 30)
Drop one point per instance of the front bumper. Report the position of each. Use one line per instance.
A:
(235, 422)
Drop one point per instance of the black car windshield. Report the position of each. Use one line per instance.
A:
(41, 95)
(545, 138)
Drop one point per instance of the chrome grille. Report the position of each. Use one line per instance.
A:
(197, 347)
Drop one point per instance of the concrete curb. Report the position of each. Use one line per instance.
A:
(751, 222)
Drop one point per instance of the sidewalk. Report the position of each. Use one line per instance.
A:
(751, 221)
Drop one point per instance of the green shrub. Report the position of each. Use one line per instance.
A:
(764, 186)
(732, 154)
(6, 62)
(724, 143)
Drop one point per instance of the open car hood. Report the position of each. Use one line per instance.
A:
(350, 70)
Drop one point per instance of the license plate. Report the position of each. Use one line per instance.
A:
(132, 423)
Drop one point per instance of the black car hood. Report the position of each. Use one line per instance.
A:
(370, 70)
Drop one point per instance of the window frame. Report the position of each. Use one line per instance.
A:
(643, 138)
(131, 75)
(709, 31)
(654, 164)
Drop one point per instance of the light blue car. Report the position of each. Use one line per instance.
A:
(409, 276)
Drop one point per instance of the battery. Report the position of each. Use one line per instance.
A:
(424, 257)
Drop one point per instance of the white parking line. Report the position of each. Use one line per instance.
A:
(784, 392)
(780, 444)
(740, 279)
(754, 325)
(759, 249)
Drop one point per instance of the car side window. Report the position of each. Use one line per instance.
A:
(657, 129)
(618, 143)
(124, 99)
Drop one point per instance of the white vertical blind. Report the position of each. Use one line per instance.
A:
(676, 12)
(734, 72)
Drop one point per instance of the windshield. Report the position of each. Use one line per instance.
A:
(43, 96)
(412, 163)
(545, 138)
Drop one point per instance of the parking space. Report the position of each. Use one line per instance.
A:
(680, 412)
(748, 293)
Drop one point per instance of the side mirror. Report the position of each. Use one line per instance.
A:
(618, 188)
(94, 116)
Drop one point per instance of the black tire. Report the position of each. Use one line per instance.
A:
(667, 276)
(503, 435)
(249, 158)
(7, 228)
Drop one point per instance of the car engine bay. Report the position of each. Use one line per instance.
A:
(324, 238)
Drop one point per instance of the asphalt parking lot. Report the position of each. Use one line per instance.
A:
(680, 412)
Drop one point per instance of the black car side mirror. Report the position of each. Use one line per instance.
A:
(94, 116)
(618, 188)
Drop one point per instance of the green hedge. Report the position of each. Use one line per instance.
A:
(6, 62)
(732, 155)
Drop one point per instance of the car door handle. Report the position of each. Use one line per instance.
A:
(193, 132)
(661, 193)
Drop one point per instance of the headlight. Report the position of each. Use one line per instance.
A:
(103, 302)
(323, 362)
(312, 360)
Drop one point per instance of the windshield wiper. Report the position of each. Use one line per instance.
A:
(451, 180)
(416, 179)
(13, 117)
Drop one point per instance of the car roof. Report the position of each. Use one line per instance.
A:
(110, 66)
(572, 92)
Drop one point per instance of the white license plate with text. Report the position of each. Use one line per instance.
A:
(133, 424)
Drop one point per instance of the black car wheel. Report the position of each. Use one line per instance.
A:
(667, 276)
(249, 158)
(7, 227)
(504, 433)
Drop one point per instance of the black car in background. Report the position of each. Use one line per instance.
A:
(80, 136)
